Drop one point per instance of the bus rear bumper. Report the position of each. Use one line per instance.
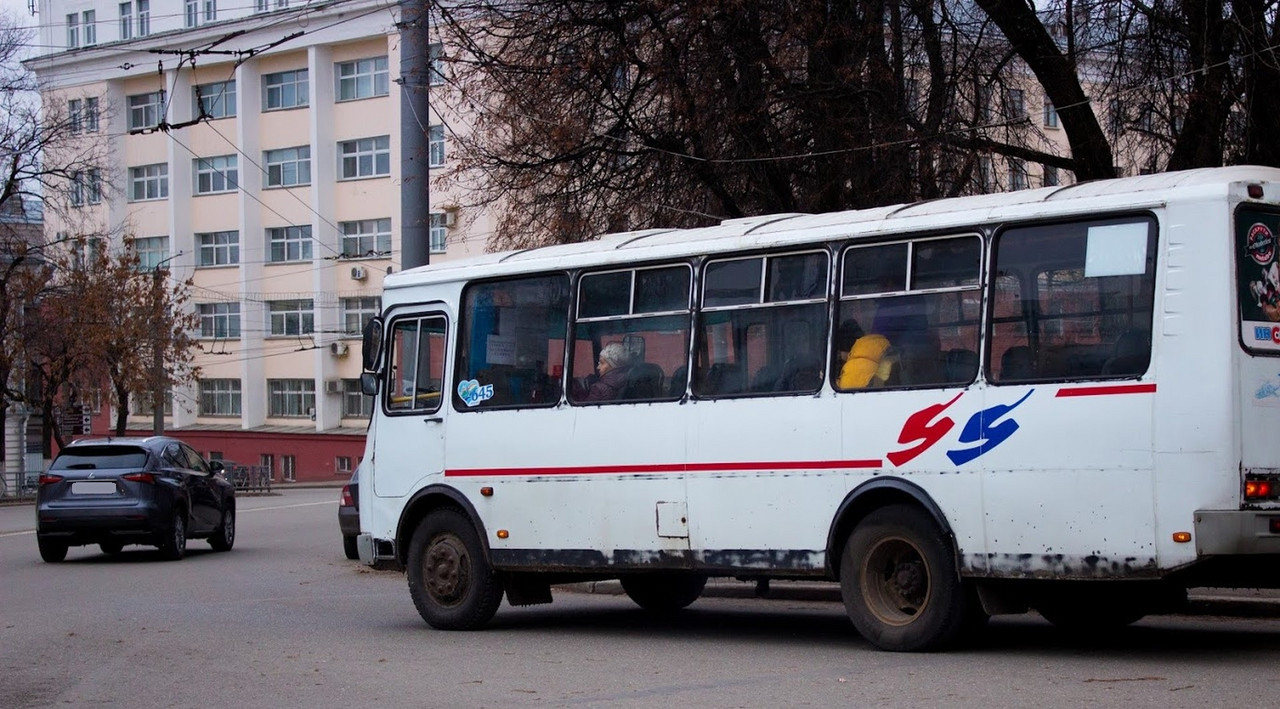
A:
(1224, 532)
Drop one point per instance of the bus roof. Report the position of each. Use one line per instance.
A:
(780, 229)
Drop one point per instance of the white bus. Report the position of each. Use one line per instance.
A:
(1065, 399)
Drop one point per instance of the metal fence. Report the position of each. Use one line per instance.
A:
(19, 485)
(248, 478)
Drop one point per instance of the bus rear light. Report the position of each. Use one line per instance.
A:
(147, 478)
(1261, 489)
(1275, 525)
(1255, 191)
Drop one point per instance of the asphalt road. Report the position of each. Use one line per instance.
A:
(284, 620)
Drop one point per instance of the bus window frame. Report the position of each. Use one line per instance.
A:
(389, 351)
(1033, 334)
(700, 310)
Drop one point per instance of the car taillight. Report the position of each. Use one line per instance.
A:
(49, 479)
(147, 478)
(347, 500)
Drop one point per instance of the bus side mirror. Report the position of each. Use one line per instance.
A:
(371, 347)
(369, 384)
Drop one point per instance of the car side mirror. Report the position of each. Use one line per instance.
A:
(216, 466)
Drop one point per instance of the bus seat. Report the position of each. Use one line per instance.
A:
(961, 365)
(676, 385)
(768, 377)
(1017, 362)
(802, 373)
(1130, 355)
(722, 378)
(644, 381)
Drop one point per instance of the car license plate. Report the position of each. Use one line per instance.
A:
(93, 487)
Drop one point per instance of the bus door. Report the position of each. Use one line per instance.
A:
(409, 445)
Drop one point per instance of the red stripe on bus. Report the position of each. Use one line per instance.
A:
(669, 468)
(1109, 390)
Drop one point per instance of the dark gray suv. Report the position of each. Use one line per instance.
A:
(112, 492)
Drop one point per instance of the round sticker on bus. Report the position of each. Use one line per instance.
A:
(1261, 244)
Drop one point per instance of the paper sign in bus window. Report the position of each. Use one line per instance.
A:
(1116, 250)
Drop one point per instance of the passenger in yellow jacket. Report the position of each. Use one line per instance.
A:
(868, 363)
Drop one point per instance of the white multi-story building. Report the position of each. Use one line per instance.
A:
(255, 147)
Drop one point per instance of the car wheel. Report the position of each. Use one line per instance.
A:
(224, 537)
(111, 547)
(663, 592)
(349, 546)
(51, 550)
(451, 582)
(174, 545)
(899, 581)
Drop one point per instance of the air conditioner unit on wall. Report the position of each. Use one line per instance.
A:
(358, 273)
(450, 217)
(338, 349)
(333, 386)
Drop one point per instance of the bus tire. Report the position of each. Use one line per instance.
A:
(663, 592)
(899, 581)
(451, 582)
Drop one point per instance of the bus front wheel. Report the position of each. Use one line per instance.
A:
(899, 581)
(451, 582)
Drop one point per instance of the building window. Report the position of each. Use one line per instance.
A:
(439, 233)
(149, 182)
(146, 110)
(140, 403)
(291, 398)
(268, 463)
(435, 71)
(288, 167)
(219, 320)
(1050, 176)
(261, 5)
(1050, 114)
(289, 468)
(217, 100)
(126, 20)
(291, 317)
(219, 248)
(1014, 106)
(435, 146)
(363, 78)
(86, 187)
(355, 405)
(219, 397)
(89, 118)
(284, 89)
(357, 312)
(367, 237)
(192, 13)
(342, 465)
(216, 174)
(151, 250)
(366, 157)
(210, 10)
(1115, 116)
(73, 30)
(75, 114)
(90, 27)
(1017, 175)
(290, 243)
(144, 18)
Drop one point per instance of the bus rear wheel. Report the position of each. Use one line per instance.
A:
(451, 582)
(663, 592)
(899, 581)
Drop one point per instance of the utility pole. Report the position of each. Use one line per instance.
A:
(415, 123)
(157, 352)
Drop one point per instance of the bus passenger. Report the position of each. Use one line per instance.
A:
(867, 364)
(612, 370)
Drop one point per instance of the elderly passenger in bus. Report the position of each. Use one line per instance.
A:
(612, 369)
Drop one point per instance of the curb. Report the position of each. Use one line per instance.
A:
(1230, 603)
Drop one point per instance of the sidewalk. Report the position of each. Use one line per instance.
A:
(1229, 602)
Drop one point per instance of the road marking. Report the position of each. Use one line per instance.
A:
(16, 534)
(285, 507)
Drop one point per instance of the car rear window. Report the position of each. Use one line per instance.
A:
(90, 458)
